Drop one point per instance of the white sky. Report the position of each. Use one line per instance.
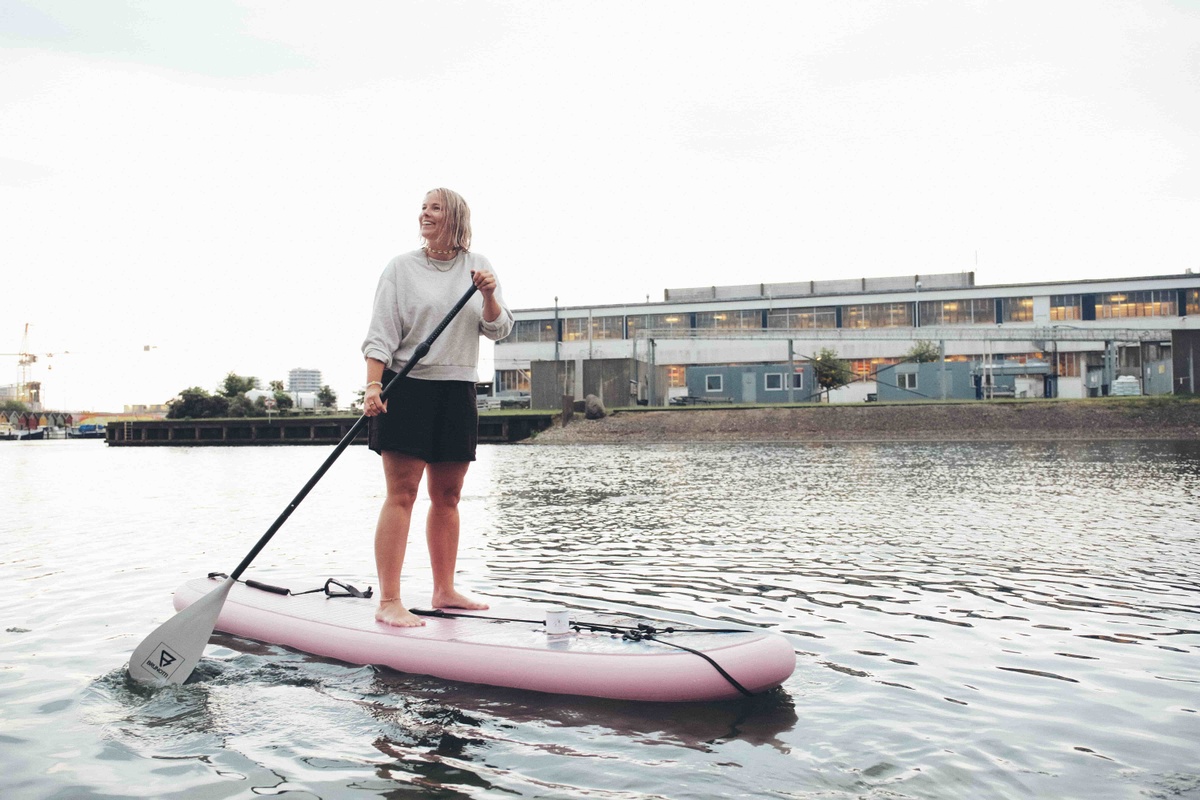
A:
(225, 180)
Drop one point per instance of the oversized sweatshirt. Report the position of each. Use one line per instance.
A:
(412, 298)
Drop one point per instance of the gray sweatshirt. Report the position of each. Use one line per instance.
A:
(410, 301)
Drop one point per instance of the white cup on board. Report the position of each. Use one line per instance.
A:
(558, 621)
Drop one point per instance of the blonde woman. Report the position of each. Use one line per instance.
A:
(427, 426)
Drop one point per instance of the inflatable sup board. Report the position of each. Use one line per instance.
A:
(599, 655)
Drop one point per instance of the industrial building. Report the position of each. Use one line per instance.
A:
(1060, 339)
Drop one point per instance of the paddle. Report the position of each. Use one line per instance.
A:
(173, 649)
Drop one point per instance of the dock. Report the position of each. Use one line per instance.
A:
(495, 427)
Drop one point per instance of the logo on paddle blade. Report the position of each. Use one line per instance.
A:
(162, 661)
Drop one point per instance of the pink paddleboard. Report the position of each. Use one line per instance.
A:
(518, 654)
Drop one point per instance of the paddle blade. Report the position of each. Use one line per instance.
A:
(172, 651)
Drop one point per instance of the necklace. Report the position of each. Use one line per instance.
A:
(429, 261)
(451, 251)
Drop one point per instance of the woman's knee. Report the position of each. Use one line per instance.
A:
(445, 484)
(404, 497)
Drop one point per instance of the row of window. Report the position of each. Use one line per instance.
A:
(974, 311)
(1067, 365)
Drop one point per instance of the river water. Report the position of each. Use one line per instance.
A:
(985, 621)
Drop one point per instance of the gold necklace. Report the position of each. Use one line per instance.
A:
(429, 261)
(441, 252)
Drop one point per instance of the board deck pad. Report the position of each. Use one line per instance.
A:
(472, 647)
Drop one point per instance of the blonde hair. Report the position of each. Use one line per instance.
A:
(458, 217)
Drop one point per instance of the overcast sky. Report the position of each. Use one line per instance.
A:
(224, 181)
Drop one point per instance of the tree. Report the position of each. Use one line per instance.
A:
(276, 386)
(9, 406)
(326, 397)
(283, 401)
(923, 352)
(235, 385)
(197, 403)
(832, 372)
(241, 406)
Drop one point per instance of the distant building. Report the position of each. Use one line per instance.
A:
(304, 380)
(1062, 339)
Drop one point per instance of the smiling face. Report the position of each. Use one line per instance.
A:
(433, 220)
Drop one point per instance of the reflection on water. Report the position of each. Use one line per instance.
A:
(1008, 620)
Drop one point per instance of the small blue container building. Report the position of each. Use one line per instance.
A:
(752, 383)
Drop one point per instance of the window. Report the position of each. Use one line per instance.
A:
(1068, 365)
(1066, 307)
(773, 381)
(676, 376)
(608, 328)
(1016, 309)
(973, 311)
(533, 330)
(815, 317)
(750, 319)
(647, 321)
(906, 380)
(797, 380)
(878, 315)
(1193, 301)
(575, 329)
(1155, 303)
(512, 380)
(714, 383)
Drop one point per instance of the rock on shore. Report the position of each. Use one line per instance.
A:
(1101, 418)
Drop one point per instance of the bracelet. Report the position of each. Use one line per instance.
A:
(374, 383)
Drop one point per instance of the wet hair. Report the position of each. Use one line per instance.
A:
(458, 217)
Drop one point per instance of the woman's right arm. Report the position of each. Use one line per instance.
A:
(372, 403)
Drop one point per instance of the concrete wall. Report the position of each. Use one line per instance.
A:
(612, 380)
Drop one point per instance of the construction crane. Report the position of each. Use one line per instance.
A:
(28, 392)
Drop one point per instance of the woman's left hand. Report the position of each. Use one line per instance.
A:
(485, 282)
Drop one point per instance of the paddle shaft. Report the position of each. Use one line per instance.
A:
(421, 350)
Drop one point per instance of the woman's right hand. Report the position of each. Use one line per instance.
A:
(373, 404)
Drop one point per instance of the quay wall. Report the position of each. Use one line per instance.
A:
(494, 427)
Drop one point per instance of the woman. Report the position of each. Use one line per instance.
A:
(428, 423)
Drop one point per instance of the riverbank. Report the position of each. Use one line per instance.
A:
(1019, 420)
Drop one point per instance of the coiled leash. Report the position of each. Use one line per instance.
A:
(641, 633)
(343, 589)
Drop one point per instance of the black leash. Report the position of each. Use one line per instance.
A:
(642, 633)
(343, 589)
(578, 627)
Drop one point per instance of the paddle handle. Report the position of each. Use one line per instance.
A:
(420, 352)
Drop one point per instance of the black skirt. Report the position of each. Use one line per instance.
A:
(435, 421)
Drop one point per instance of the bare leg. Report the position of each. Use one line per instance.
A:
(403, 476)
(445, 483)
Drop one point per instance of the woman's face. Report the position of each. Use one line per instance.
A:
(433, 219)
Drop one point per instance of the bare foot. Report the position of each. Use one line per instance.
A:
(453, 599)
(393, 612)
